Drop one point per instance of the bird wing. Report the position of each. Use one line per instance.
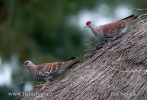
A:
(46, 69)
(112, 29)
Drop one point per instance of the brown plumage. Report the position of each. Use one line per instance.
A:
(111, 31)
(48, 71)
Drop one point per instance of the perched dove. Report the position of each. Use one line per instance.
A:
(48, 71)
(111, 31)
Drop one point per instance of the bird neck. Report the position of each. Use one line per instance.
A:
(92, 26)
(32, 69)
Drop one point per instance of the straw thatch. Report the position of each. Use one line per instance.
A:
(119, 73)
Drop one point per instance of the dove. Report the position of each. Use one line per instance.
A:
(111, 31)
(47, 71)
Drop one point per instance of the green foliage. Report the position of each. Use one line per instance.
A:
(34, 27)
(4, 94)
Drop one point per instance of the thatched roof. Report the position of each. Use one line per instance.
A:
(119, 73)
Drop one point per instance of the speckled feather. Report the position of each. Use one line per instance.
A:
(111, 30)
(48, 69)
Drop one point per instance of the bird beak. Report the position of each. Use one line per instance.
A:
(85, 27)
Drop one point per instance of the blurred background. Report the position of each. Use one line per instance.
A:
(47, 31)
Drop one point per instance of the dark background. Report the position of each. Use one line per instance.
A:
(47, 31)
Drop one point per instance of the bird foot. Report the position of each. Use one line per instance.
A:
(43, 87)
(105, 47)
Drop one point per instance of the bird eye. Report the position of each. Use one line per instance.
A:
(26, 63)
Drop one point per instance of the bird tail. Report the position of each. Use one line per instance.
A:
(70, 62)
(72, 58)
(130, 18)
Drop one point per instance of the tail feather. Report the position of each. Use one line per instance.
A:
(72, 58)
(70, 62)
(131, 17)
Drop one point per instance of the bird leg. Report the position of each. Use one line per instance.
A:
(106, 46)
(48, 80)
(44, 86)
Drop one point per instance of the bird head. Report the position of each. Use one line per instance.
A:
(28, 63)
(88, 24)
